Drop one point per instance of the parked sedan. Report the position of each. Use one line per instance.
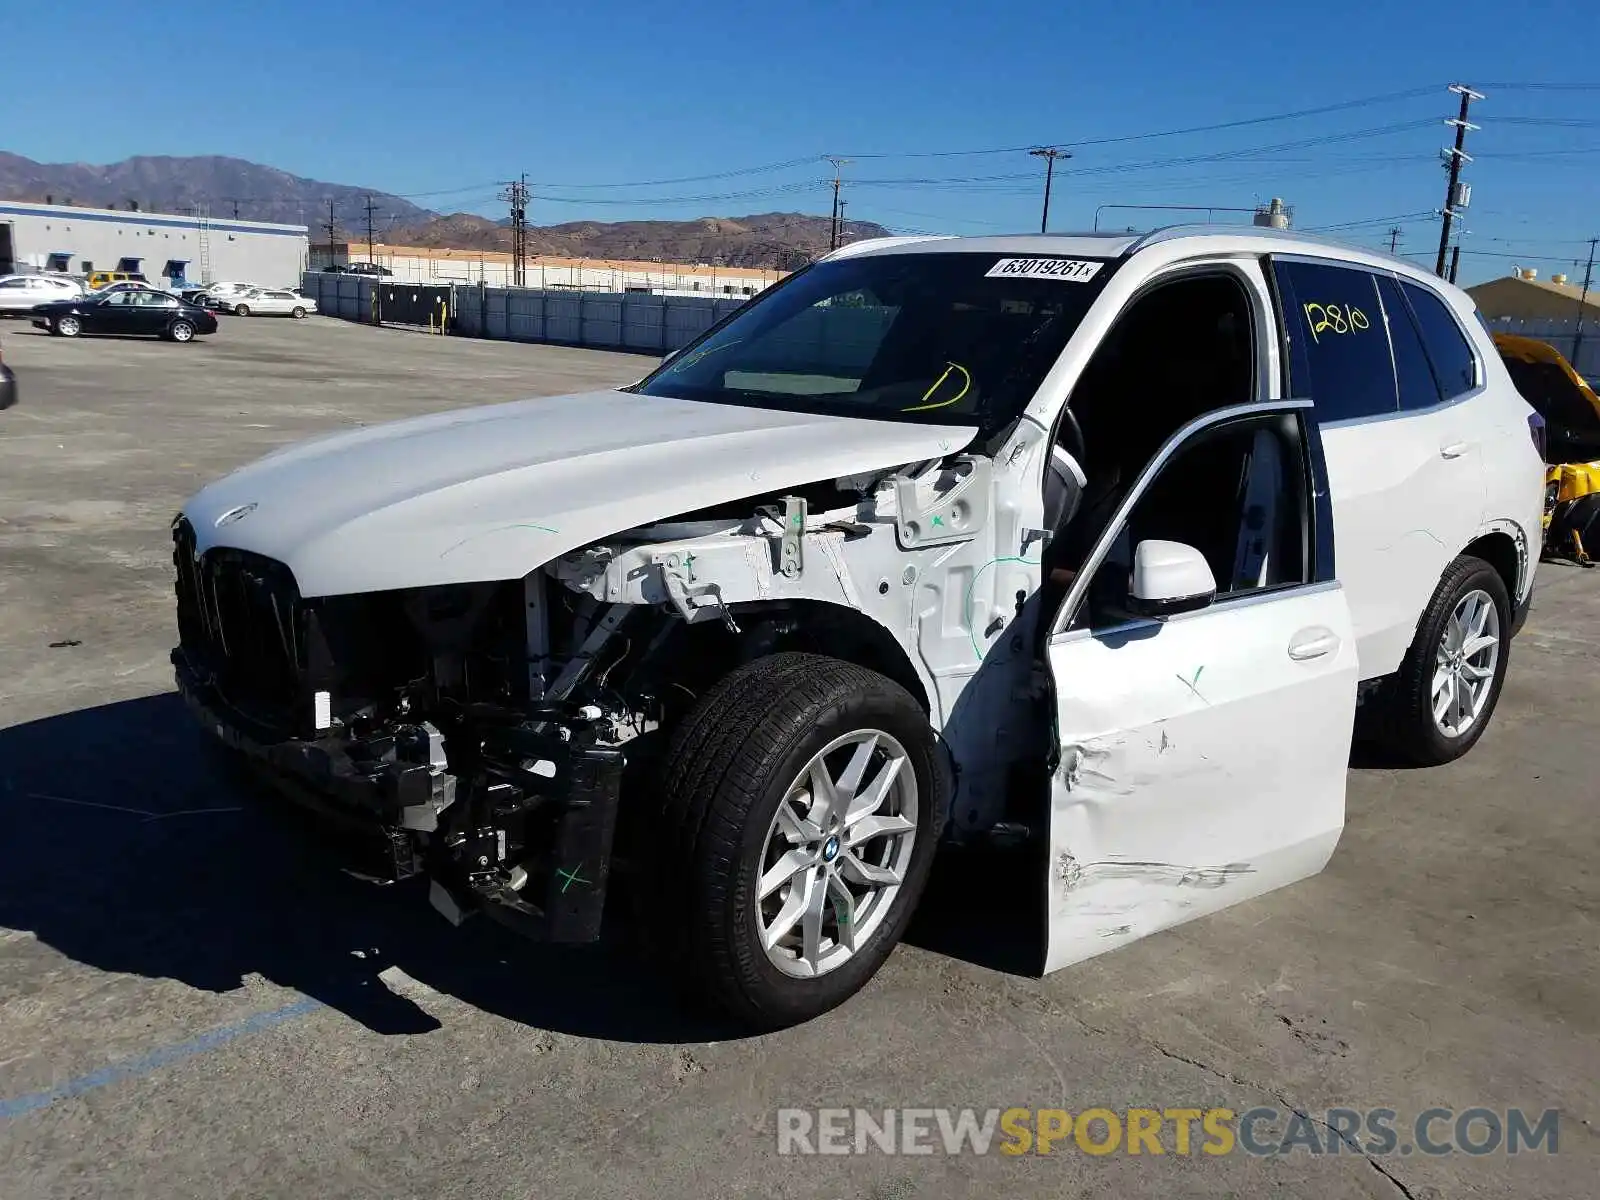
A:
(262, 302)
(19, 293)
(126, 312)
(219, 297)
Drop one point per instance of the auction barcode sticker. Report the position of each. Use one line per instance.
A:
(1073, 270)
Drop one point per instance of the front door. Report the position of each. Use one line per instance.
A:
(109, 314)
(1202, 756)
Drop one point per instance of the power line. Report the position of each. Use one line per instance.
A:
(1078, 143)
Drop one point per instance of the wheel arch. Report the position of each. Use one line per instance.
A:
(836, 630)
(1504, 546)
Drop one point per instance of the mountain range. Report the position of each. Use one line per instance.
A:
(234, 187)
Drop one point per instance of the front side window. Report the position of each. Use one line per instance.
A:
(956, 338)
(1235, 492)
(1338, 350)
(1453, 360)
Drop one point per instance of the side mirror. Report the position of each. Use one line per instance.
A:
(1169, 578)
(670, 355)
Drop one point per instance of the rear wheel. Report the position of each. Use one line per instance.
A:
(242, 310)
(181, 331)
(1438, 704)
(68, 326)
(297, 312)
(802, 801)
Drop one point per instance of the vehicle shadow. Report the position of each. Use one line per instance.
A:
(128, 847)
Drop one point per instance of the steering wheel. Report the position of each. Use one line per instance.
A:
(1071, 435)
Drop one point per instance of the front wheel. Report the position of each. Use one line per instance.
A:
(297, 313)
(802, 801)
(68, 326)
(242, 310)
(1439, 703)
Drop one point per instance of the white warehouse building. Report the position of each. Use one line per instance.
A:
(166, 248)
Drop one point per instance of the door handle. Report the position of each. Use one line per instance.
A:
(1313, 643)
(1453, 450)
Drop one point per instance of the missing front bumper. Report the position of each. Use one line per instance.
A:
(528, 837)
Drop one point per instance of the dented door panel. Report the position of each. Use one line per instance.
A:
(1202, 763)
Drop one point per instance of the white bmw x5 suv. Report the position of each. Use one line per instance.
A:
(1092, 542)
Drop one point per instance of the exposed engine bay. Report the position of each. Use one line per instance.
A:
(494, 735)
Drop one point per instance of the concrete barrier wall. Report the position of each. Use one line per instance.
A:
(346, 296)
(638, 321)
(603, 320)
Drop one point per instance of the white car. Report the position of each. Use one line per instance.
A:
(262, 302)
(19, 293)
(1088, 542)
(221, 295)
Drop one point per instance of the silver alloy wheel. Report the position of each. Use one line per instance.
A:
(182, 331)
(836, 853)
(68, 326)
(1466, 662)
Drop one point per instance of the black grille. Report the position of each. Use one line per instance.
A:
(241, 619)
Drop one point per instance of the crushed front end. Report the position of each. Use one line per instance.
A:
(410, 722)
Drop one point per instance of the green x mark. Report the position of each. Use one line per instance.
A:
(569, 878)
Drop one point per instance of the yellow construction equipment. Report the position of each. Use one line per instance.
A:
(1571, 410)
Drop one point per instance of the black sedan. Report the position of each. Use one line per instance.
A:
(131, 312)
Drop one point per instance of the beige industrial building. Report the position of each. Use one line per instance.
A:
(1523, 296)
(418, 264)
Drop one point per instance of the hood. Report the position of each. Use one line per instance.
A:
(492, 493)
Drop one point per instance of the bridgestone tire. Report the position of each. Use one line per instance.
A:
(727, 768)
(1402, 715)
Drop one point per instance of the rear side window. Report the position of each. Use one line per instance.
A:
(1413, 376)
(1338, 351)
(1453, 360)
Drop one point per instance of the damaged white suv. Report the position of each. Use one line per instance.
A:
(1088, 540)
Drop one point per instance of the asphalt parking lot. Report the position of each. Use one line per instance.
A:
(193, 1003)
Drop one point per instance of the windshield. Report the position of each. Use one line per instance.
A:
(954, 338)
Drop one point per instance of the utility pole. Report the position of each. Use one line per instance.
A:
(1394, 238)
(331, 227)
(1453, 160)
(1583, 303)
(1049, 154)
(516, 195)
(1455, 260)
(834, 226)
(235, 210)
(369, 206)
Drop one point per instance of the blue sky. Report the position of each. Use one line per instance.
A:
(442, 100)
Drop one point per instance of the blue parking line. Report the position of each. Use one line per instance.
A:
(131, 1068)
